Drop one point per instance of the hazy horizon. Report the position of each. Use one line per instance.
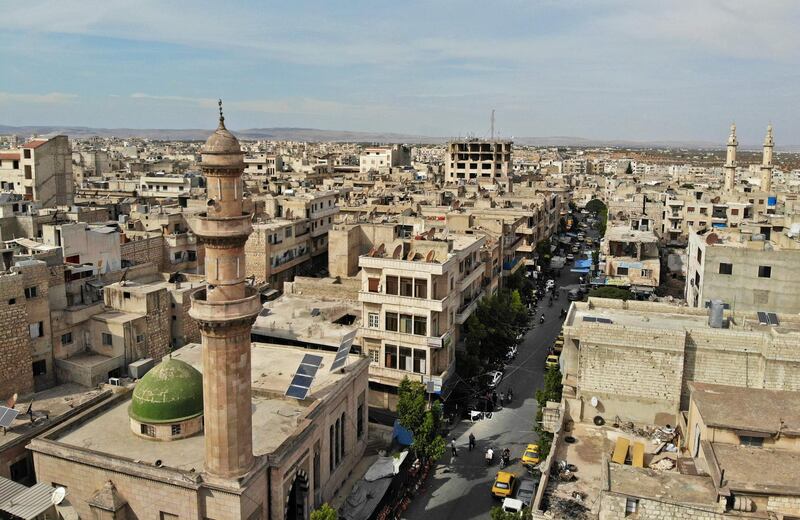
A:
(624, 70)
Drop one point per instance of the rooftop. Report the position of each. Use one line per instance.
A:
(275, 417)
(290, 317)
(666, 486)
(626, 234)
(749, 409)
(758, 470)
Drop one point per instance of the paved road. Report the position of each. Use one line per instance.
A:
(460, 487)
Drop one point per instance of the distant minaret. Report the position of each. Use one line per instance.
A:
(766, 162)
(730, 163)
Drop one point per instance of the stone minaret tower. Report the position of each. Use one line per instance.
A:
(766, 162)
(226, 310)
(730, 163)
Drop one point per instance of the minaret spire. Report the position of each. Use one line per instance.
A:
(766, 161)
(730, 163)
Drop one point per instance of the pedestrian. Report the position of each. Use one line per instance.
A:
(502, 401)
(494, 398)
(471, 441)
(453, 446)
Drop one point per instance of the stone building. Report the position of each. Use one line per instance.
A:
(478, 162)
(41, 170)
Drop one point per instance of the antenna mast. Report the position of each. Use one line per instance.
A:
(492, 120)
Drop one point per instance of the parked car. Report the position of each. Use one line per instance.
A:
(570, 257)
(512, 505)
(551, 361)
(504, 484)
(558, 346)
(493, 378)
(531, 455)
(526, 492)
(574, 295)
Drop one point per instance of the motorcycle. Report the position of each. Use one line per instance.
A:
(505, 459)
(489, 456)
(541, 320)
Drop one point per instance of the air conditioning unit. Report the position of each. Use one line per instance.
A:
(114, 381)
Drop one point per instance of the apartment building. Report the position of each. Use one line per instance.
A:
(696, 211)
(318, 207)
(162, 186)
(751, 268)
(40, 170)
(384, 158)
(630, 258)
(264, 164)
(279, 250)
(415, 294)
(478, 161)
(82, 244)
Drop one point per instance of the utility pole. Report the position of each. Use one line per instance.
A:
(492, 125)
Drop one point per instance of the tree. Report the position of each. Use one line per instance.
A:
(629, 169)
(497, 513)
(324, 512)
(423, 424)
(614, 293)
(595, 206)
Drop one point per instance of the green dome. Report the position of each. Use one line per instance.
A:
(170, 392)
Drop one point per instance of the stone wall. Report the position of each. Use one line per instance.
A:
(159, 327)
(16, 374)
(256, 257)
(612, 506)
(38, 311)
(324, 288)
(787, 505)
(141, 250)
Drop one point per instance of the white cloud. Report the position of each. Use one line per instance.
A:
(52, 98)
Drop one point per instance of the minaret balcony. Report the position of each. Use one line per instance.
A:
(222, 227)
(210, 312)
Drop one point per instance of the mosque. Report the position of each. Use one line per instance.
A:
(209, 433)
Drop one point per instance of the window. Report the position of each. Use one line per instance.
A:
(167, 516)
(31, 292)
(404, 362)
(406, 324)
(336, 445)
(12, 301)
(39, 367)
(690, 209)
(191, 255)
(147, 429)
(176, 429)
(373, 320)
(391, 321)
(331, 444)
(725, 268)
(631, 505)
(420, 325)
(66, 339)
(419, 361)
(647, 273)
(420, 288)
(360, 420)
(734, 211)
(406, 287)
(28, 172)
(391, 285)
(373, 284)
(36, 329)
(139, 338)
(747, 440)
(127, 296)
(764, 271)
(288, 232)
(26, 153)
(107, 339)
(699, 256)
(341, 435)
(390, 356)
(622, 271)
(375, 355)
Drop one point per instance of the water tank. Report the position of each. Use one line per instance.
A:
(715, 311)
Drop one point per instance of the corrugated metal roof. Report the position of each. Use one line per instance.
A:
(30, 502)
(9, 488)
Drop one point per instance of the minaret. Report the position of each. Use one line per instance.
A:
(225, 310)
(766, 162)
(730, 163)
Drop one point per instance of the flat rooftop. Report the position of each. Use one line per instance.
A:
(275, 417)
(758, 470)
(749, 409)
(666, 486)
(656, 315)
(290, 317)
(626, 234)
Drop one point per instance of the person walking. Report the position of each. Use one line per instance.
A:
(453, 446)
(471, 441)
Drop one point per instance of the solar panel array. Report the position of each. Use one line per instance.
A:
(592, 319)
(343, 352)
(768, 318)
(7, 416)
(304, 377)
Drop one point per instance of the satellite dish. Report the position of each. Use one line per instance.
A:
(595, 401)
(398, 252)
(431, 233)
(411, 255)
(381, 249)
(12, 401)
(371, 252)
(429, 257)
(58, 496)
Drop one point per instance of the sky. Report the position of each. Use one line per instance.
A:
(612, 69)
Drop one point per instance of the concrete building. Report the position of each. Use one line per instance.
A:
(415, 294)
(98, 246)
(745, 268)
(263, 164)
(41, 170)
(630, 258)
(161, 185)
(384, 158)
(279, 250)
(478, 161)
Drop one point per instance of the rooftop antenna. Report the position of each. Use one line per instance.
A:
(492, 119)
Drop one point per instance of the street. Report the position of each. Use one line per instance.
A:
(459, 488)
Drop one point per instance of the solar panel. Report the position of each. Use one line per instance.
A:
(304, 377)
(762, 318)
(590, 319)
(603, 320)
(7, 416)
(344, 350)
(773, 318)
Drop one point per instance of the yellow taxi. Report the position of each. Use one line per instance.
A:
(558, 346)
(504, 484)
(551, 361)
(531, 455)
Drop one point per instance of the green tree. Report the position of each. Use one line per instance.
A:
(614, 293)
(423, 423)
(497, 513)
(595, 206)
(629, 169)
(324, 512)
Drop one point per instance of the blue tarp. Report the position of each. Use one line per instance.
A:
(402, 435)
(580, 270)
(719, 225)
(583, 264)
(771, 201)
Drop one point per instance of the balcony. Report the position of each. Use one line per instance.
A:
(204, 310)
(473, 275)
(403, 301)
(412, 340)
(468, 308)
(222, 227)
(378, 262)
(393, 377)
(511, 266)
